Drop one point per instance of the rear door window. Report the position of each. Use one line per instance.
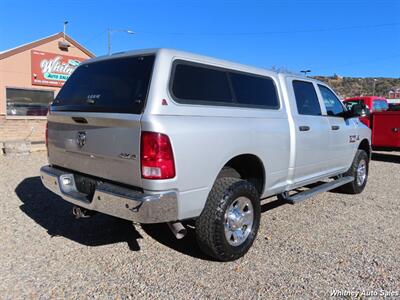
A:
(306, 98)
(117, 85)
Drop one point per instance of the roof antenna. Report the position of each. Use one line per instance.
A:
(65, 27)
(305, 72)
(63, 45)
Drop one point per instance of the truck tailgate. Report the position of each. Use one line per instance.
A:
(104, 145)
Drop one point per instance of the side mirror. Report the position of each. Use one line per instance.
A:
(357, 111)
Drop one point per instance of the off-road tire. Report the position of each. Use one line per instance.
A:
(210, 224)
(228, 172)
(353, 187)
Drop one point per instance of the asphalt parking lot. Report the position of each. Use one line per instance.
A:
(333, 242)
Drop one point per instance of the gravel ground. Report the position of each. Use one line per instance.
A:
(331, 242)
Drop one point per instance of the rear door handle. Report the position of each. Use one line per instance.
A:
(304, 128)
(335, 127)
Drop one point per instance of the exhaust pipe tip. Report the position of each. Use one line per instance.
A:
(177, 229)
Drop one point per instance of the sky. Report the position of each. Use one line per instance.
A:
(344, 37)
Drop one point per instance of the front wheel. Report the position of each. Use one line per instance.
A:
(359, 170)
(229, 223)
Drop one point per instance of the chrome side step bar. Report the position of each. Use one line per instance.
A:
(293, 199)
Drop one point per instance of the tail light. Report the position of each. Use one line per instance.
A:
(156, 156)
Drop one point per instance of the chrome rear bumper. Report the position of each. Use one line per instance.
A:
(112, 199)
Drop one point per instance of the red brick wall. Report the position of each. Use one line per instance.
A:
(30, 130)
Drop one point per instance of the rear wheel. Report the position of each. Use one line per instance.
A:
(359, 170)
(228, 225)
(228, 172)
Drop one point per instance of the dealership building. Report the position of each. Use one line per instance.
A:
(30, 77)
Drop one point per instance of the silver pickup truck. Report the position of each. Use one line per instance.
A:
(161, 135)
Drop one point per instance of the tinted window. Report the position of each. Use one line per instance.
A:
(200, 84)
(115, 85)
(22, 102)
(333, 105)
(194, 83)
(394, 107)
(306, 98)
(254, 90)
(349, 104)
(380, 105)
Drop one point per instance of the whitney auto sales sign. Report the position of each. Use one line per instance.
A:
(51, 69)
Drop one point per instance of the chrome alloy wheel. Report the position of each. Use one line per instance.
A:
(361, 172)
(238, 221)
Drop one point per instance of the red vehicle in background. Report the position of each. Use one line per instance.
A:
(384, 122)
(394, 106)
(373, 103)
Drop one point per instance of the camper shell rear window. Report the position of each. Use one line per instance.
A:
(115, 85)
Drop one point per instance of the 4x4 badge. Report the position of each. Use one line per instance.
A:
(81, 138)
(354, 138)
(127, 156)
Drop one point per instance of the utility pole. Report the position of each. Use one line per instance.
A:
(109, 41)
(111, 31)
(373, 93)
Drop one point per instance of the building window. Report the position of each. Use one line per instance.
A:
(21, 102)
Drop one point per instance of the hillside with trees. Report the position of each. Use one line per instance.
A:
(353, 86)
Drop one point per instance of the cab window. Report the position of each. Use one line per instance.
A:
(350, 104)
(380, 105)
(334, 107)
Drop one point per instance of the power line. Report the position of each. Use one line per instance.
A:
(355, 63)
(273, 32)
(85, 41)
(93, 37)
